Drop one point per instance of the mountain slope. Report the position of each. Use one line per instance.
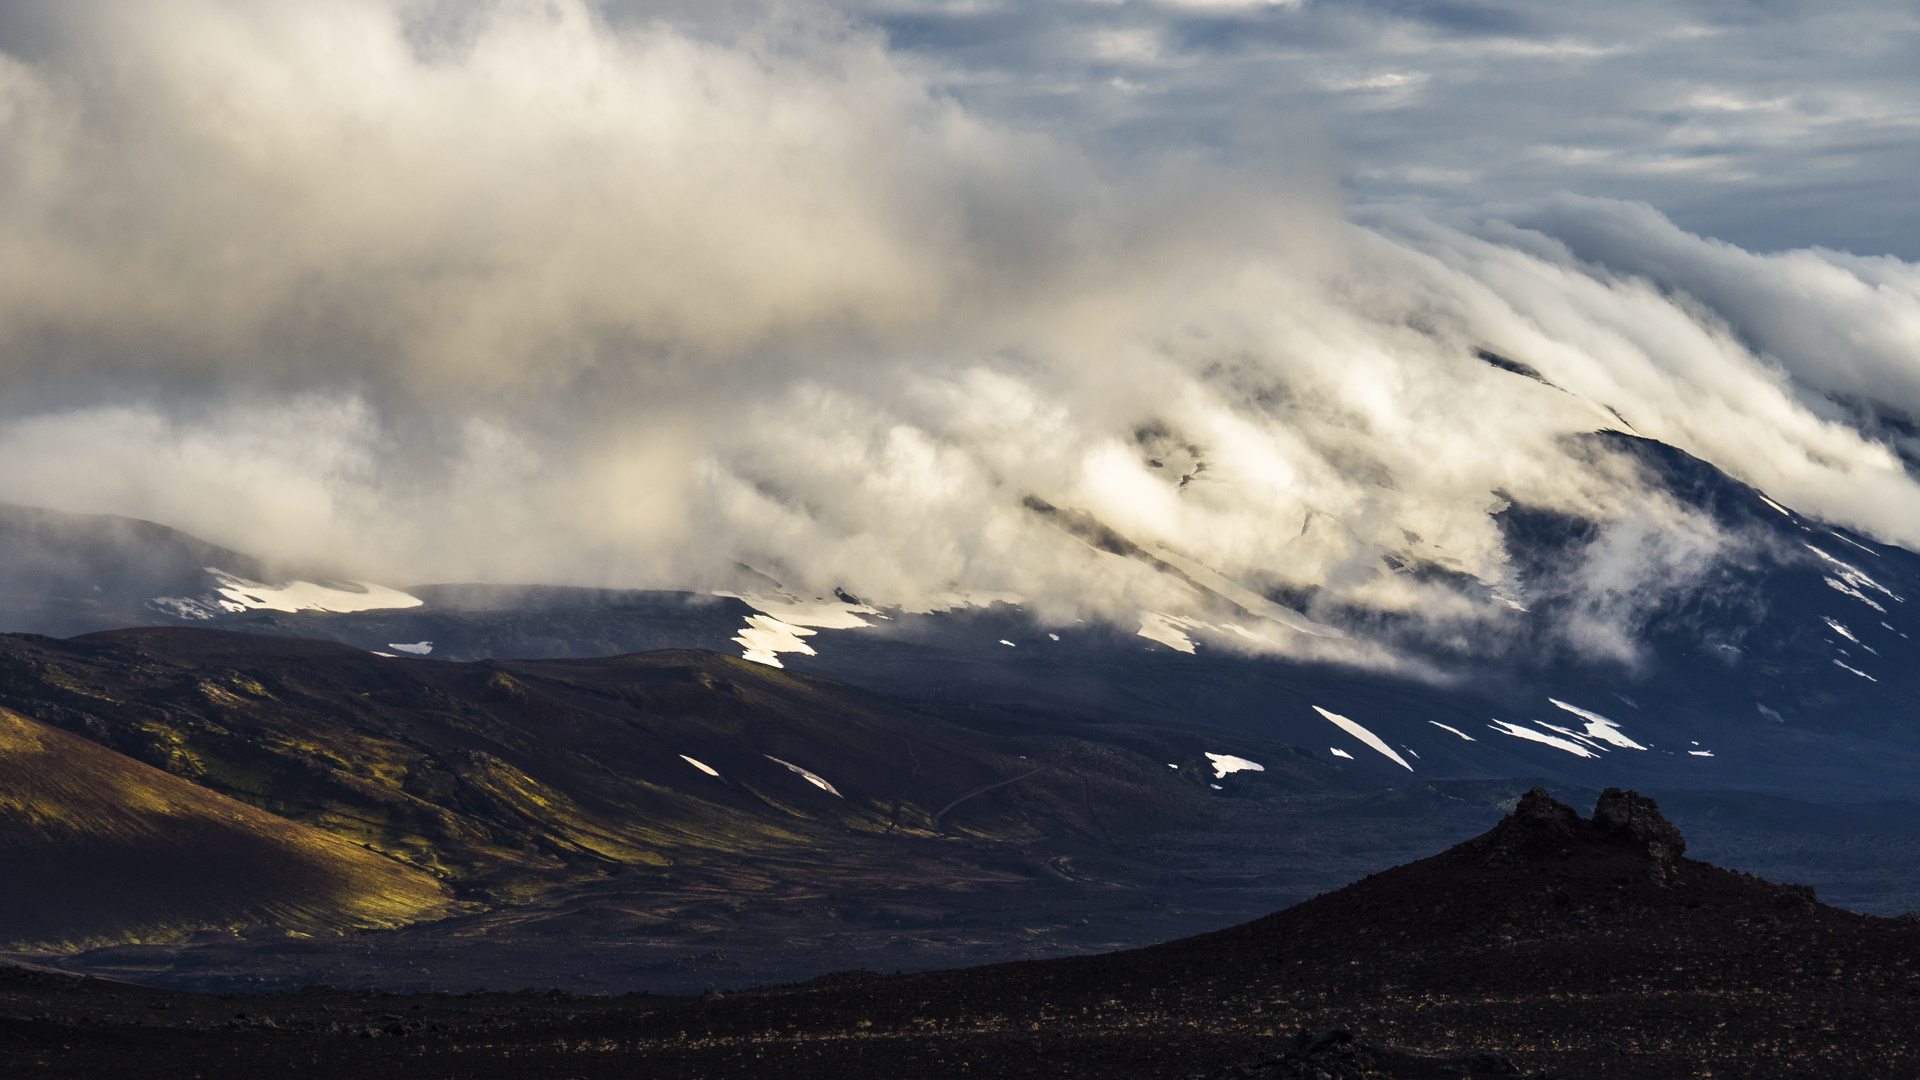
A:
(97, 847)
(510, 777)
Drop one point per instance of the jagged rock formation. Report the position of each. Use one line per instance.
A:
(1542, 827)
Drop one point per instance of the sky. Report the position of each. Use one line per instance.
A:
(633, 294)
(1770, 125)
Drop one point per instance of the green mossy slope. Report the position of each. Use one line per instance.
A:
(96, 847)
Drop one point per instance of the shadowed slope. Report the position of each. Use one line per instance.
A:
(1553, 945)
(1585, 945)
(98, 847)
(511, 777)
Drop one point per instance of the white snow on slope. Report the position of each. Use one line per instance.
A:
(784, 619)
(1455, 730)
(1337, 752)
(239, 594)
(1862, 547)
(1700, 753)
(1856, 594)
(1227, 763)
(811, 777)
(1571, 734)
(702, 766)
(1852, 575)
(418, 648)
(1364, 736)
(1531, 735)
(1840, 629)
(766, 636)
(1599, 727)
(1856, 671)
(1167, 630)
(1775, 505)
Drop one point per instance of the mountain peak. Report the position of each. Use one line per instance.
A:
(1542, 827)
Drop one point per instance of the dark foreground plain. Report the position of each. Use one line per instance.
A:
(1553, 945)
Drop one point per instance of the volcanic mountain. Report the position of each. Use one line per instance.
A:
(1552, 945)
(654, 796)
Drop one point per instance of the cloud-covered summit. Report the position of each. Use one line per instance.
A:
(539, 291)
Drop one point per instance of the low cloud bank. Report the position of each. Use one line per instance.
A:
(531, 297)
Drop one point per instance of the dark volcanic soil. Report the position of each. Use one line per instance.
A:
(1552, 945)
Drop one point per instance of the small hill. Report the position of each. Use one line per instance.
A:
(1582, 947)
(97, 847)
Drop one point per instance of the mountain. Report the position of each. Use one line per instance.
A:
(1551, 945)
(65, 574)
(480, 733)
(1783, 662)
(631, 804)
(98, 847)
(497, 775)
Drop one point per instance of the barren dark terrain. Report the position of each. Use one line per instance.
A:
(1553, 945)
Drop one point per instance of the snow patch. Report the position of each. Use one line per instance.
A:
(783, 619)
(1861, 546)
(1227, 763)
(1455, 730)
(1852, 574)
(1337, 752)
(811, 777)
(765, 637)
(1840, 629)
(1775, 505)
(1167, 630)
(1856, 594)
(1599, 727)
(1531, 735)
(1365, 736)
(1008, 644)
(1571, 734)
(1700, 753)
(1856, 671)
(238, 594)
(701, 765)
(418, 648)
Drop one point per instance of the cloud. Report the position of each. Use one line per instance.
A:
(549, 292)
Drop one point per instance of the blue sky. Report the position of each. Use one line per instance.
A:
(1768, 124)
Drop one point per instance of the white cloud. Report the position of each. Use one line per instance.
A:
(575, 298)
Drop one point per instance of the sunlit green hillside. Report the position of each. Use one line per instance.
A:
(97, 847)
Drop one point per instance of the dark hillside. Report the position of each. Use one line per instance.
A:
(1553, 945)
